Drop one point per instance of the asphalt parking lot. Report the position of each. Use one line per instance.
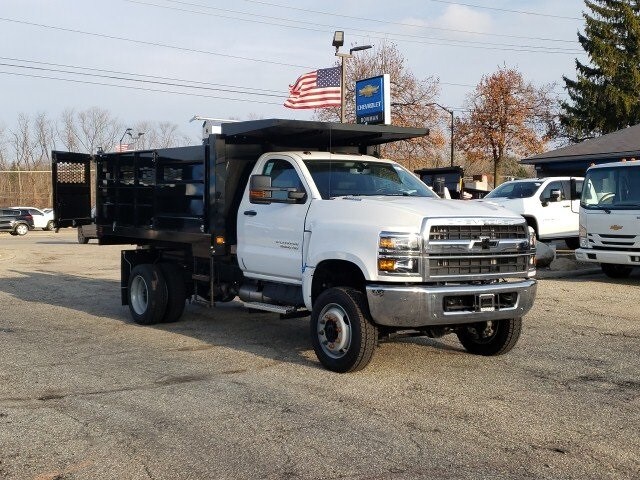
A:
(232, 394)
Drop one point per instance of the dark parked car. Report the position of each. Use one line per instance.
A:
(15, 221)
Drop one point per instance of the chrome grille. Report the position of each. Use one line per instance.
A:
(476, 249)
(471, 232)
(477, 265)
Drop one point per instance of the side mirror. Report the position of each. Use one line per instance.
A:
(260, 189)
(554, 196)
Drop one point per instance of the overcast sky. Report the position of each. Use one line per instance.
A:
(258, 48)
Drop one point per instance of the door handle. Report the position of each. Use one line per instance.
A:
(250, 213)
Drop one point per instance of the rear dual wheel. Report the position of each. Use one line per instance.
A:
(157, 293)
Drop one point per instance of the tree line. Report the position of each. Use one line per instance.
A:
(25, 149)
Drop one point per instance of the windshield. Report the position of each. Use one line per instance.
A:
(515, 190)
(337, 178)
(612, 188)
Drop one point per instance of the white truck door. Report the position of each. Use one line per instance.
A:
(270, 236)
(557, 218)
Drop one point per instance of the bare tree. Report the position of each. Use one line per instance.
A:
(507, 117)
(97, 128)
(4, 162)
(410, 97)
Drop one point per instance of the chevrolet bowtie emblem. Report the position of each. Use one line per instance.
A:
(368, 91)
(485, 243)
(615, 227)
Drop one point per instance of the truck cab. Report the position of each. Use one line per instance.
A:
(550, 205)
(610, 218)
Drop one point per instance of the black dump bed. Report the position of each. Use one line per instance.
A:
(190, 194)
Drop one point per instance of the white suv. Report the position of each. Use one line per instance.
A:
(550, 205)
(41, 218)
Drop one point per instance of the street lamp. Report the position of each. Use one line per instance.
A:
(338, 41)
(128, 131)
(450, 112)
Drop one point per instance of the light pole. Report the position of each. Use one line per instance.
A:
(338, 41)
(450, 112)
(126, 132)
(133, 139)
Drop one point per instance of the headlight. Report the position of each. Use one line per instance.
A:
(582, 233)
(532, 243)
(399, 253)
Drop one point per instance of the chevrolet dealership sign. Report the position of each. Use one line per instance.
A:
(373, 100)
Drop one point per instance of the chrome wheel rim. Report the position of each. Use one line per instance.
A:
(139, 295)
(21, 229)
(334, 331)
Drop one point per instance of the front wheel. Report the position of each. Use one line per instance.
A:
(493, 337)
(342, 333)
(21, 229)
(147, 294)
(82, 240)
(613, 270)
(50, 225)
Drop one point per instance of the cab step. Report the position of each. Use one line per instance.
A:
(267, 307)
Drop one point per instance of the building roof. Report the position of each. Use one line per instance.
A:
(623, 143)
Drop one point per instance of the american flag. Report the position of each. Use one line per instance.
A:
(123, 147)
(317, 89)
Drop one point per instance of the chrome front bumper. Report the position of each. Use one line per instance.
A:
(421, 305)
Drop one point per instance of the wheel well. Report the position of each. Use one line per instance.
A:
(336, 273)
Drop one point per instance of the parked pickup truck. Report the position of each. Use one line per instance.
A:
(301, 218)
(550, 205)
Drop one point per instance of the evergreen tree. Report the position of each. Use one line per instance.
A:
(606, 94)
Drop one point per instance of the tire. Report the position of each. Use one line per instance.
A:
(490, 338)
(21, 229)
(147, 294)
(50, 225)
(613, 270)
(342, 334)
(81, 238)
(176, 292)
(572, 242)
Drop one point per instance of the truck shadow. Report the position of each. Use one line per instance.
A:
(227, 325)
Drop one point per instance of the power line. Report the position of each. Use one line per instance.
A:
(240, 89)
(507, 10)
(87, 82)
(144, 42)
(146, 79)
(402, 24)
(369, 34)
